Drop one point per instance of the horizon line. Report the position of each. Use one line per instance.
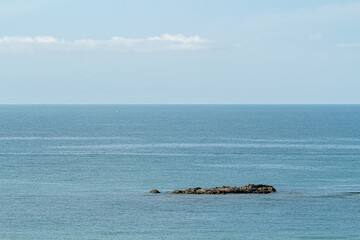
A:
(179, 104)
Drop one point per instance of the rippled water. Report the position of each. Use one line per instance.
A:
(84, 171)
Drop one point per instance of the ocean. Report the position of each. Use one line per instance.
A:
(85, 171)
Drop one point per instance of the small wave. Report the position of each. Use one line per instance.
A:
(340, 195)
(98, 153)
(267, 166)
(352, 193)
(212, 145)
(32, 138)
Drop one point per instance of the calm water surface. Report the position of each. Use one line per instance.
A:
(84, 171)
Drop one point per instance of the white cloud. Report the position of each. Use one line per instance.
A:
(115, 44)
(315, 37)
(348, 45)
(178, 38)
(38, 39)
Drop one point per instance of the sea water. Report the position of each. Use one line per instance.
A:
(85, 171)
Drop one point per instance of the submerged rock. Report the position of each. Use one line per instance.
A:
(154, 191)
(251, 188)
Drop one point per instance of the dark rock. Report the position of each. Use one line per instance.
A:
(251, 188)
(154, 191)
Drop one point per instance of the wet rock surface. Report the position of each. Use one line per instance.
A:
(154, 191)
(251, 188)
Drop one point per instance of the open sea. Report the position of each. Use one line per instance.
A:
(85, 171)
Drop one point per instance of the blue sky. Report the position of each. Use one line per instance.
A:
(180, 51)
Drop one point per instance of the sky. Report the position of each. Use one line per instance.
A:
(179, 52)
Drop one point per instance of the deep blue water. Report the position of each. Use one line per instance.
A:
(84, 171)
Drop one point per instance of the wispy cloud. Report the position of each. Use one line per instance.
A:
(15, 8)
(315, 37)
(312, 24)
(247, 42)
(165, 42)
(348, 45)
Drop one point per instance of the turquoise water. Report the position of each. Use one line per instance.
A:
(84, 171)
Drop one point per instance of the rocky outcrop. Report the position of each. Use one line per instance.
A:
(154, 191)
(251, 188)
